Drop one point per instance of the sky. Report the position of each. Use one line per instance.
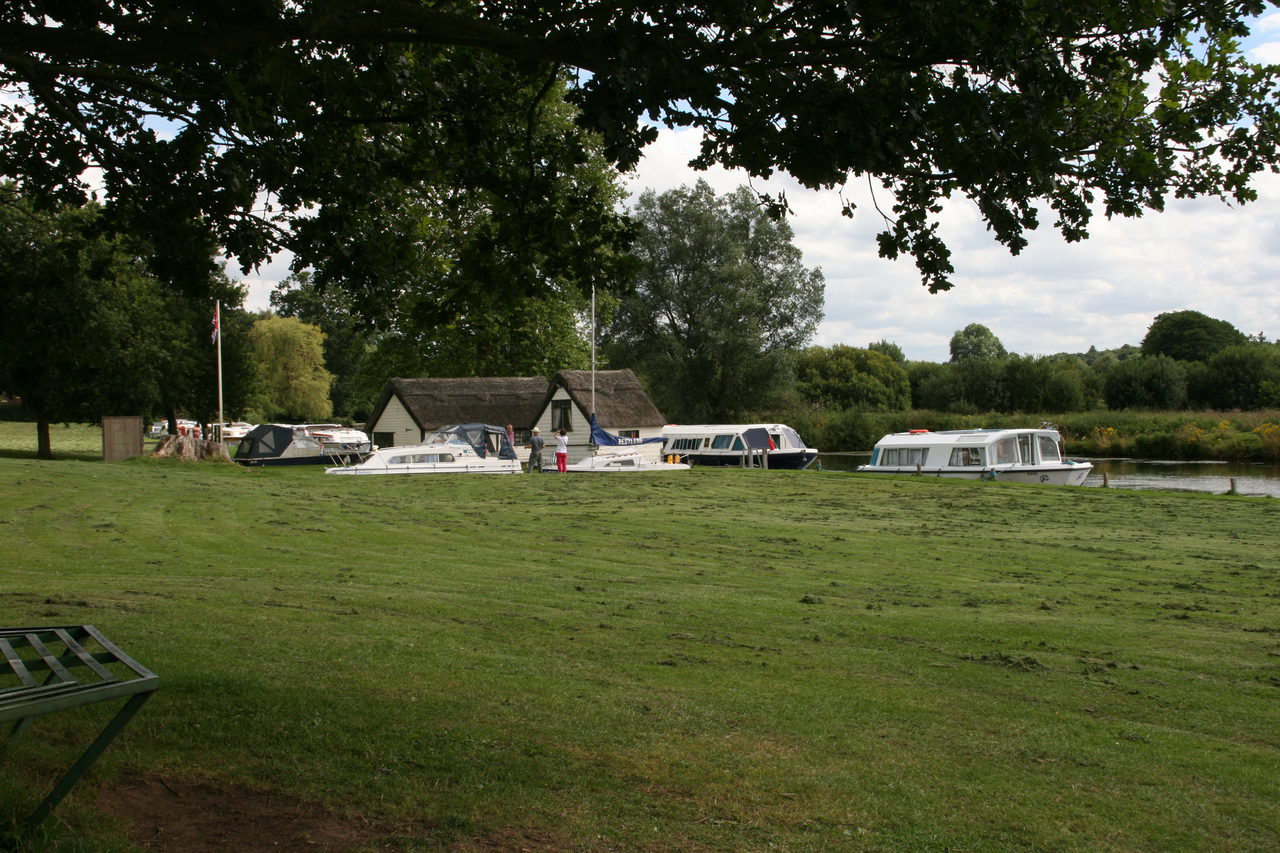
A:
(1201, 255)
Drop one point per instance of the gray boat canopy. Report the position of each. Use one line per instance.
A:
(485, 439)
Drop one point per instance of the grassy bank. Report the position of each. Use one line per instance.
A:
(718, 660)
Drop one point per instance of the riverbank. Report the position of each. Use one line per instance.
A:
(709, 661)
(1224, 436)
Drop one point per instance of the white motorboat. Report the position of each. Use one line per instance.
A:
(623, 460)
(738, 445)
(233, 431)
(1016, 455)
(460, 449)
(335, 438)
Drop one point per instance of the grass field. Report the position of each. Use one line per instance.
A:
(717, 660)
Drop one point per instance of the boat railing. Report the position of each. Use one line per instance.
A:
(347, 458)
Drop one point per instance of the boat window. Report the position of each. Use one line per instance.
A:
(721, 442)
(1049, 450)
(1024, 448)
(904, 456)
(420, 458)
(737, 443)
(686, 443)
(792, 438)
(966, 457)
(1007, 451)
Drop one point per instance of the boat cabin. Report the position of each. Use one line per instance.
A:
(1031, 455)
(738, 445)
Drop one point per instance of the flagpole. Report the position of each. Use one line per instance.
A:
(217, 331)
(593, 348)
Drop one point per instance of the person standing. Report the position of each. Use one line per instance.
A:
(562, 451)
(535, 452)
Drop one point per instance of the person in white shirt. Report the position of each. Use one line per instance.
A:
(562, 451)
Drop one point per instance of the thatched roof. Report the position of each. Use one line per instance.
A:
(435, 402)
(620, 400)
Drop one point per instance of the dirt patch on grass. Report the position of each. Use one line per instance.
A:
(168, 816)
(184, 817)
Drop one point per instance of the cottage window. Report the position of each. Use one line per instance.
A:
(628, 433)
(561, 418)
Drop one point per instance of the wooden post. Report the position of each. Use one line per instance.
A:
(1104, 479)
(1233, 486)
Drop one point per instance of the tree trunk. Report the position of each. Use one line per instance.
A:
(191, 449)
(44, 448)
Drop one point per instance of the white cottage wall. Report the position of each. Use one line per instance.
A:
(580, 432)
(397, 421)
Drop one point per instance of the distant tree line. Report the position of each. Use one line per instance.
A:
(711, 305)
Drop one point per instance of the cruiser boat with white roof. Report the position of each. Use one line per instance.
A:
(738, 445)
(457, 449)
(335, 437)
(1015, 455)
(623, 460)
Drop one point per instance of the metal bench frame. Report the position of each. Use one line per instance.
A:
(77, 666)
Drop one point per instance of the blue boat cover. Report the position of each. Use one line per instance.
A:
(607, 439)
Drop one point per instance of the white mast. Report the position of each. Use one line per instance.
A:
(593, 348)
(217, 338)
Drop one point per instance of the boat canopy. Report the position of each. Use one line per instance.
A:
(484, 439)
(270, 441)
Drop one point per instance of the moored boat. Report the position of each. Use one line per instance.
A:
(290, 444)
(1016, 455)
(457, 449)
(738, 445)
(623, 460)
(336, 438)
(232, 431)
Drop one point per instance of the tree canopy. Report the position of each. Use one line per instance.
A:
(975, 341)
(292, 381)
(233, 124)
(719, 305)
(87, 332)
(846, 377)
(1189, 336)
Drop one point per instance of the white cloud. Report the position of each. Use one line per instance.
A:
(1055, 297)
(261, 281)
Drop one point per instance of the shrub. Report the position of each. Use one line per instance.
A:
(1157, 445)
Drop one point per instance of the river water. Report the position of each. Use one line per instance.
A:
(1250, 479)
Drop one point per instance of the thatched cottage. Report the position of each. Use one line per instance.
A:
(409, 409)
